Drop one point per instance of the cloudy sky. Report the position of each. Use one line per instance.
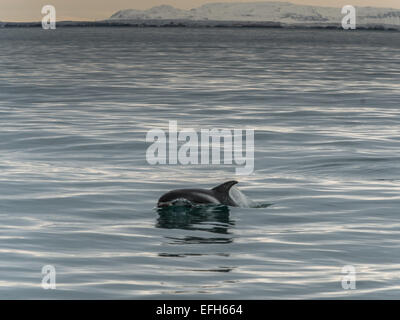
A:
(30, 10)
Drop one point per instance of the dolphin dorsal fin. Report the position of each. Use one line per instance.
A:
(224, 188)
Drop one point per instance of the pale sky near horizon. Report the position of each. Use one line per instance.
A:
(30, 10)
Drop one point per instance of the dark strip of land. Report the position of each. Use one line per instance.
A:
(191, 24)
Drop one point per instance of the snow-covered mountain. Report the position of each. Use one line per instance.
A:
(283, 12)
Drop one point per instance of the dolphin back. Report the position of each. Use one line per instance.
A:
(226, 194)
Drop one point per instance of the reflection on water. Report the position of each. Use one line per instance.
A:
(210, 218)
(214, 219)
(201, 225)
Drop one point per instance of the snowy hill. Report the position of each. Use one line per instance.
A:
(283, 12)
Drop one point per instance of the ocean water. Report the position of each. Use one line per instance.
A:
(77, 193)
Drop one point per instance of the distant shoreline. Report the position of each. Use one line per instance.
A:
(193, 24)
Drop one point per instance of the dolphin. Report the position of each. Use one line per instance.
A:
(215, 196)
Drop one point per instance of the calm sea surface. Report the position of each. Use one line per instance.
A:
(77, 193)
